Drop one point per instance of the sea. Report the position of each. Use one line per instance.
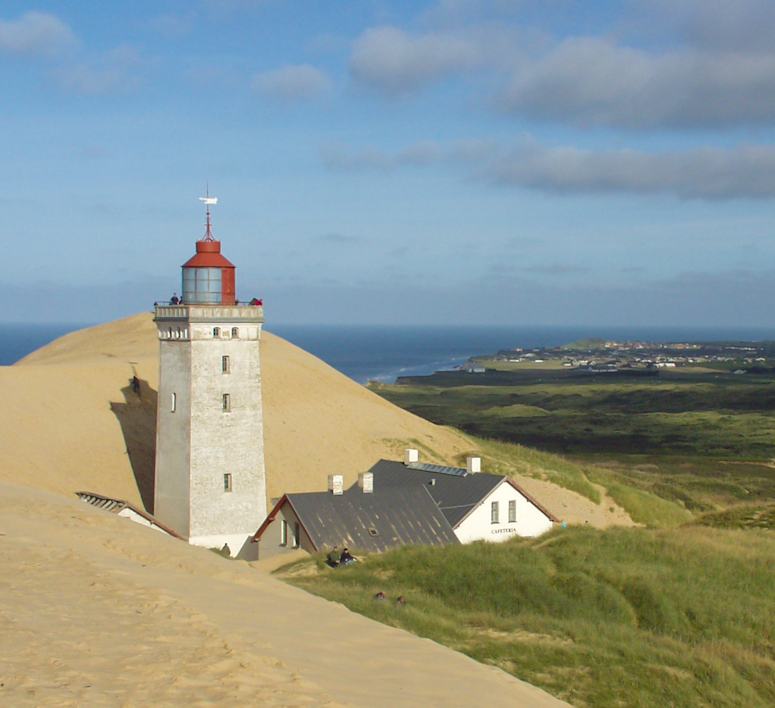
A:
(373, 353)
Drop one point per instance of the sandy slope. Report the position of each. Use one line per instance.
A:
(70, 421)
(96, 610)
(74, 395)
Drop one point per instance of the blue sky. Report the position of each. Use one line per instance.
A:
(471, 161)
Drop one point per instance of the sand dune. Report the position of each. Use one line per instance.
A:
(74, 395)
(96, 610)
(70, 421)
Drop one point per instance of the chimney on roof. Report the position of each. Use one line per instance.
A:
(336, 484)
(411, 455)
(473, 465)
(366, 482)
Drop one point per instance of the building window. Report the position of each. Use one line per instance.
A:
(296, 534)
(494, 513)
(512, 511)
(226, 402)
(235, 332)
(227, 482)
(216, 331)
(173, 402)
(283, 533)
(225, 365)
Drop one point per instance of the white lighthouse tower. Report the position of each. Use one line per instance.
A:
(210, 482)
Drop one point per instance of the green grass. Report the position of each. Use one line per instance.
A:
(757, 516)
(630, 617)
(644, 507)
(706, 415)
(505, 458)
(664, 447)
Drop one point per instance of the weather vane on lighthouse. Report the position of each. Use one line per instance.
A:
(208, 201)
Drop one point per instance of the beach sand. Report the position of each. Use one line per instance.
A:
(97, 610)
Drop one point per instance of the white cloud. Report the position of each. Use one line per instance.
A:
(588, 81)
(293, 82)
(707, 173)
(397, 62)
(744, 25)
(709, 64)
(746, 172)
(35, 33)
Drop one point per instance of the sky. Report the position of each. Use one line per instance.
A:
(446, 162)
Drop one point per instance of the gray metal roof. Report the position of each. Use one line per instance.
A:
(388, 517)
(455, 494)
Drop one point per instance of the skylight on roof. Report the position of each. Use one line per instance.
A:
(438, 469)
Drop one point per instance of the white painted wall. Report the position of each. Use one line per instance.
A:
(240, 545)
(531, 521)
(199, 442)
(229, 442)
(270, 545)
(127, 513)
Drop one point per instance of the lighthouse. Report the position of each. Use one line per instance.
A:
(210, 483)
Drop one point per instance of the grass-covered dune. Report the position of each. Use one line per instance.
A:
(636, 617)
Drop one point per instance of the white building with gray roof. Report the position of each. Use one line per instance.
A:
(398, 504)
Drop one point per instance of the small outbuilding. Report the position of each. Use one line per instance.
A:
(121, 507)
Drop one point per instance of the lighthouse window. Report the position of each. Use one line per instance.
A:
(225, 365)
(226, 402)
(202, 285)
(227, 482)
(216, 331)
(173, 402)
(235, 332)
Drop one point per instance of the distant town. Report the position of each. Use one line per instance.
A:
(600, 356)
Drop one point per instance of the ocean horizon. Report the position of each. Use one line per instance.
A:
(382, 353)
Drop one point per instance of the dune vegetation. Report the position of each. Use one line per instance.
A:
(632, 616)
(676, 611)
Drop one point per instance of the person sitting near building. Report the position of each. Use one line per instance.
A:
(255, 302)
(333, 557)
(346, 558)
(174, 300)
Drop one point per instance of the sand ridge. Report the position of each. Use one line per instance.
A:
(97, 610)
(74, 395)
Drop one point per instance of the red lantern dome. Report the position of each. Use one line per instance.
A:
(208, 277)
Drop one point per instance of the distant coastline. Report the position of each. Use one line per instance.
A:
(383, 353)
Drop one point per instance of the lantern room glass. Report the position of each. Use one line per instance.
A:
(202, 285)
